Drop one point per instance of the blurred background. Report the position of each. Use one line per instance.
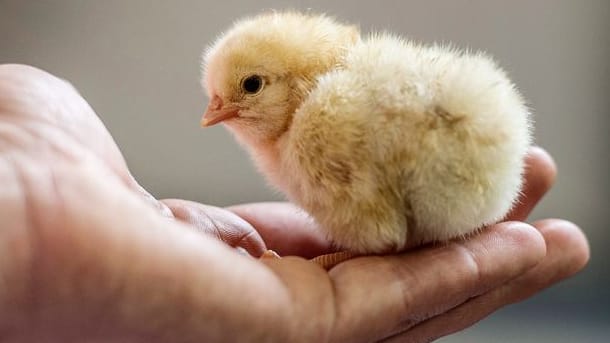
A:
(137, 62)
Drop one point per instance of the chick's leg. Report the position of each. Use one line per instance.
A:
(328, 261)
(378, 231)
(269, 254)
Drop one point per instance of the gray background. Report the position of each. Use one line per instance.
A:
(137, 63)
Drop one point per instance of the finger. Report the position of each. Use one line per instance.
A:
(50, 116)
(219, 223)
(53, 112)
(540, 173)
(285, 228)
(567, 253)
(405, 289)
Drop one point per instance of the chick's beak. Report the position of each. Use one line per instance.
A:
(217, 112)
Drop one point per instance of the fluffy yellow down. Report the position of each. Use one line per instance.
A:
(384, 142)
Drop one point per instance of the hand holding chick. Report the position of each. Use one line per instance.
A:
(384, 142)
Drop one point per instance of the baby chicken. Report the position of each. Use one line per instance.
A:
(384, 142)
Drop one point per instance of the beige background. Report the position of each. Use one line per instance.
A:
(137, 63)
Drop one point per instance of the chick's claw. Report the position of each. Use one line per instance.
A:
(270, 254)
(328, 261)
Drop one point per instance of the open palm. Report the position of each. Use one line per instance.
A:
(86, 254)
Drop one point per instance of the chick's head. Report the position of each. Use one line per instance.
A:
(257, 74)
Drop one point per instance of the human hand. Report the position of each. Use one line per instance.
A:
(87, 255)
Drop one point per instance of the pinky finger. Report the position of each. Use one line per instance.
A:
(539, 178)
(567, 253)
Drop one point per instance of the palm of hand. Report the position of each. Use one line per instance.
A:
(86, 252)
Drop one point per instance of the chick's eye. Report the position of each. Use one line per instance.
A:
(252, 84)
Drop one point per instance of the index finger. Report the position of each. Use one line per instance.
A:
(374, 297)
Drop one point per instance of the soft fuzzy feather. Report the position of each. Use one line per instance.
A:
(384, 142)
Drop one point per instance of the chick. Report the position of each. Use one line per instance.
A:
(384, 142)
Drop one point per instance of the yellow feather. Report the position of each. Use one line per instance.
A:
(385, 142)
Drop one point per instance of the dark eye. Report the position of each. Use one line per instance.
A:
(252, 84)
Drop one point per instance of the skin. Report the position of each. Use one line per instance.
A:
(86, 255)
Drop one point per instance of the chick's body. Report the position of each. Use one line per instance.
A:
(393, 143)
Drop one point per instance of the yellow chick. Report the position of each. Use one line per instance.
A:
(384, 142)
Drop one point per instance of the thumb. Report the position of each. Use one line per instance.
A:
(222, 224)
